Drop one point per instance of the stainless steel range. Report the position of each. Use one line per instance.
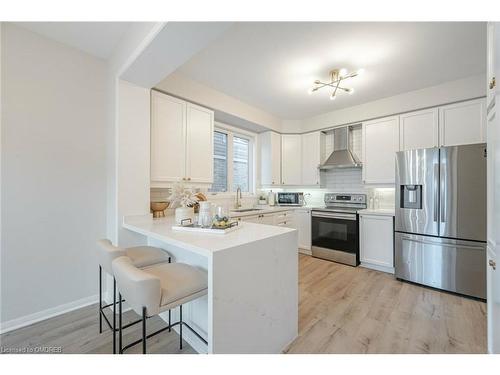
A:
(335, 227)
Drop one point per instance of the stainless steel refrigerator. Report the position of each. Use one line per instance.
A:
(440, 226)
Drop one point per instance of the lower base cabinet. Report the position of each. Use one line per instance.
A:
(376, 247)
(303, 225)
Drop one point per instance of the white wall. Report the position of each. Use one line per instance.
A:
(133, 158)
(463, 89)
(53, 174)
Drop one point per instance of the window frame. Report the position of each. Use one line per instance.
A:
(231, 132)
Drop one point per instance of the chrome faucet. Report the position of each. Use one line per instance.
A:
(238, 197)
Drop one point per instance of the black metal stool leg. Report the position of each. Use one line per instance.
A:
(100, 299)
(114, 315)
(169, 321)
(180, 327)
(120, 323)
(144, 330)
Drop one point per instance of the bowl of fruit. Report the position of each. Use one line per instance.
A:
(221, 218)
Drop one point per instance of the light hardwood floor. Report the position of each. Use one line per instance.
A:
(356, 310)
(78, 332)
(342, 310)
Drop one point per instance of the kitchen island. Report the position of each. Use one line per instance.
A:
(252, 300)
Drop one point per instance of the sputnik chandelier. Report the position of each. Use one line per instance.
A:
(337, 76)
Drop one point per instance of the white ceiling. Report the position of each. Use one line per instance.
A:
(272, 65)
(96, 38)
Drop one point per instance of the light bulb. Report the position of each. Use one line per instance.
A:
(310, 91)
(343, 72)
(333, 97)
(350, 91)
(360, 71)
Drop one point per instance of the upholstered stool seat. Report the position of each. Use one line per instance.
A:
(140, 256)
(155, 289)
(144, 256)
(179, 283)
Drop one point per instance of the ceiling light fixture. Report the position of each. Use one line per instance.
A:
(336, 77)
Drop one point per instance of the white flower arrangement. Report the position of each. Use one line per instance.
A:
(181, 196)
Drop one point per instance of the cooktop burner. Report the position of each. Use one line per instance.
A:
(343, 202)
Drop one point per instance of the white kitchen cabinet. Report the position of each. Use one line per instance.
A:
(311, 158)
(380, 144)
(284, 218)
(303, 225)
(270, 158)
(376, 247)
(168, 138)
(291, 159)
(419, 129)
(250, 219)
(493, 298)
(462, 123)
(493, 246)
(181, 141)
(199, 144)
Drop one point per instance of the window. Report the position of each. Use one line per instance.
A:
(241, 170)
(233, 153)
(220, 162)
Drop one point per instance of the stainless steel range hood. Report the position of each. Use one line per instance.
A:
(341, 157)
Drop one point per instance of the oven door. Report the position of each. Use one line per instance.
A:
(335, 237)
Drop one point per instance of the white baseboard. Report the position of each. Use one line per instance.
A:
(188, 336)
(377, 267)
(27, 320)
(305, 251)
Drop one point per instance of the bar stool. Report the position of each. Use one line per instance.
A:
(140, 256)
(152, 290)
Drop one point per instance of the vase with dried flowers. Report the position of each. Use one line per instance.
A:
(183, 200)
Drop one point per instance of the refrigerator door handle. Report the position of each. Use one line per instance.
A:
(442, 198)
(443, 244)
(436, 192)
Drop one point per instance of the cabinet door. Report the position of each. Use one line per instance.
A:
(462, 123)
(199, 144)
(303, 225)
(168, 127)
(311, 158)
(419, 129)
(270, 157)
(267, 219)
(493, 298)
(376, 242)
(291, 159)
(493, 34)
(251, 219)
(381, 142)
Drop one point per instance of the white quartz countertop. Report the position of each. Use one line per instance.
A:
(201, 243)
(267, 210)
(378, 211)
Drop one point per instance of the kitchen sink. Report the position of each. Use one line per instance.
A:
(246, 209)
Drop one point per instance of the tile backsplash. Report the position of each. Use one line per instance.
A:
(345, 179)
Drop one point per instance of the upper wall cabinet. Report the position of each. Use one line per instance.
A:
(291, 159)
(381, 142)
(270, 158)
(199, 144)
(168, 138)
(419, 129)
(462, 123)
(311, 158)
(181, 141)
